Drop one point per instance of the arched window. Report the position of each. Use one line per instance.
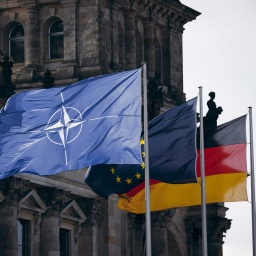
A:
(16, 43)
(56, 40)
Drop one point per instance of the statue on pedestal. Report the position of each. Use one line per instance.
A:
(155, 96)
(210, 120)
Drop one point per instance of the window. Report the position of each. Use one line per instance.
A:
(64, 248)
(22, 235)
(16, 43)
(56, 40)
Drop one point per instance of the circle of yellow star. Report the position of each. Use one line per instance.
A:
(138, 175)
(129, 181)
(112, 170)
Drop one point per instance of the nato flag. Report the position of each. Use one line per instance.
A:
(94, 121)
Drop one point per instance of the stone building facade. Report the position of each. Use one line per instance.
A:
(58, 42)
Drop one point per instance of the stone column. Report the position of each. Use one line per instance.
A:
(69, 65)
(166, 46)
(194, 241)
(176, 58)
(130, 40)
(50, 222)
(32, 38)
(114, 64)
(173, 68)
(92, 237)
(159, 231)
(13, 190)
(88, 41)
(175, 25)
(149, 48)
(137, 236)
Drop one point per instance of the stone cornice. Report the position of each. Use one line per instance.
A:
(160, 10)
(93, 209)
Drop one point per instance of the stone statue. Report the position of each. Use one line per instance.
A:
(6, 85)
(210, 120)
(155, 96)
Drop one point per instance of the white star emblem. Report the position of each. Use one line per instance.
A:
(65, 122)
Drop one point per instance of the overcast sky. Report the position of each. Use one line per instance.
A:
(219, 54)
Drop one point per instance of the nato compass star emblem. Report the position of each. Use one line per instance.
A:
(64, 126)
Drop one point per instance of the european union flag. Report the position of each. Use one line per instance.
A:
(172, 155)
(94, 121)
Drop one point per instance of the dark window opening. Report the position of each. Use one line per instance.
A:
(16, 44)
(22, 235)
(56, 40)
(64, 248)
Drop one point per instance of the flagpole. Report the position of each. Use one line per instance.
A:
(252, 183)
(203, 206)
(147, 185)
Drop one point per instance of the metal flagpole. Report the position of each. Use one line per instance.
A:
(204, 222)
(147, 185)
(252, 183)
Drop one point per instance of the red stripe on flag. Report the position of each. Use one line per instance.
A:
(223, 159)
(135, 190)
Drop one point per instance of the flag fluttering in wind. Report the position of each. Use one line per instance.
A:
(172, 155)
(94, 121)
(225, 174)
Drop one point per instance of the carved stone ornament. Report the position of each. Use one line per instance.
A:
(216, 227)
(13, 189)
(37, 221)
(77, 230)
(93, 209)
(55, 199)
(162, 218)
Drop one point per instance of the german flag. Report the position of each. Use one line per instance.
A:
(225, 174)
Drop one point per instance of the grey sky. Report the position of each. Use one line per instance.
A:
(219, 54)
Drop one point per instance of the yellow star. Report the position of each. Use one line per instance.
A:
(143, 165)
(138, 175)
(112, 170)
(142, 142)
(118, 179)
(129, 181)
(143, 154)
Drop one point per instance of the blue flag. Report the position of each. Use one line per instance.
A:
(172, 155)
(94, 121)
